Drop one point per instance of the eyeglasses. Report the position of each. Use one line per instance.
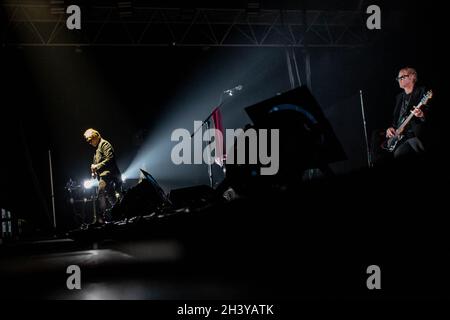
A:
(402, 77)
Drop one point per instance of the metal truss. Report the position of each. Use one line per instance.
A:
(45, 25)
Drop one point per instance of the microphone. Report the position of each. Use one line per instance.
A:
(232, 90)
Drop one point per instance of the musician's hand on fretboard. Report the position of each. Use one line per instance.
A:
(417, 112)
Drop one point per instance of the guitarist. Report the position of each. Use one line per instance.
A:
(105, 169)
(412, 143)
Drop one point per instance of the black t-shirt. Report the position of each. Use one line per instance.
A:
(405, 107)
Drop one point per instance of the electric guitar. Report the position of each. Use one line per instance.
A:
(393, 142)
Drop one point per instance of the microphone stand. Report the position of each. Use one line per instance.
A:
(52, 189)
(369, 158)
(206, 122)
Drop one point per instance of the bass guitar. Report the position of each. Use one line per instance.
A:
(391, 143)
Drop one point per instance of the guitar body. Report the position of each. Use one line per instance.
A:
(392, 143)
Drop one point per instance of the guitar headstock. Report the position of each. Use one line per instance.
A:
(427, 97)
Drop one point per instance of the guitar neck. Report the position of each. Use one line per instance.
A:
(408, 119)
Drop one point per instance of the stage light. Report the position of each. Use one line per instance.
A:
(124, 178)
(88, 184)
(196, 100)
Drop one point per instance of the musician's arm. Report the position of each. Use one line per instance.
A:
(108, 153)
(390, 132)
(421, 114)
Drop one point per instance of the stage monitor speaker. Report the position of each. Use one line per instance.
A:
(143, 199)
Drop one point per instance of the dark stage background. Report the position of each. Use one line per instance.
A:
(136, 96)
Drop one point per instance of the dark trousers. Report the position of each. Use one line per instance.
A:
(408, 147)
(109, 192)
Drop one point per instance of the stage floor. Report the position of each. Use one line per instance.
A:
(312, 241)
